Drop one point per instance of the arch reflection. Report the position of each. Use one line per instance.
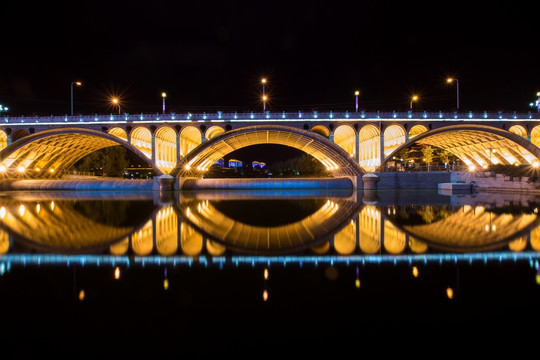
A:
(228, 224)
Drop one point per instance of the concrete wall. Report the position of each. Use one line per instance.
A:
(489, 181)
(411, 179)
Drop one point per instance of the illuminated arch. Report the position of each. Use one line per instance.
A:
(3, 140)
(141, 138)
(417, 130)
(479, 145)
(213, 131)
(165, 143)
(345, 136)
(369, 147)
(50, 153)
(166, 230)
(519, 130)
(535, 135)
(119, 133)
(334, 158)
(190, 137)
(321, 130)
(19, 134)
(394, 136)
(370, 230)
(345, 239)
(142, 241)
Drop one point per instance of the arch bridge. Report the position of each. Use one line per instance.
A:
(347, 143)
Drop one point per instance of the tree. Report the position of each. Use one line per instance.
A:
(109, 161)
(427, 152)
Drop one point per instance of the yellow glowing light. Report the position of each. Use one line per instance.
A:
(265, 274)
(449, 80)
(2, 212)
(265, 295)
(263, 80)
(535, 164)
(450, 293)
(163, 94)
(114, 100)
(165, 283)
(117, 273)
(2, 168)
(471, 168)
(538, 279)
(81, 295)
(265, 97)
(38, 169)
(51, 170)
(21, 169)
(414, 98)
(38, 208)
(415, 271)
(188, 167)
(357, 93)
(21, 210)
(357, 283)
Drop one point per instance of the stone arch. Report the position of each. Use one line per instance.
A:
(518, 130)
(119, 133)
(50, 153)
(321, 130)
(480, 145)
(535, 135)
(3, 140)
(417, 130)
(18, 134)
(190, 137)
(334, 158)
(345, 137)
(213, 131)
(369, 147)
(165, 146)
(141, 138)
(394, 136)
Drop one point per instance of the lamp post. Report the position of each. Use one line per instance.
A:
(116, 102)
(356, 93)
(163, 95)
(264, 97)
(78, 83)
(413, 99)
(451, 80)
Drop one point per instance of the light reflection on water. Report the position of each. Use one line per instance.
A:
(265, 227)
(260, 273)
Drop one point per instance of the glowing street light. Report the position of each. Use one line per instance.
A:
(414, 98)
(78, 83)
(356, 93)
(163, 95)
(451, 80)
(264, 97)
(116, 102)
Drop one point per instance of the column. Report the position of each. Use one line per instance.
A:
(357, 146)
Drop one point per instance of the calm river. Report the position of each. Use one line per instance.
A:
(255, 273)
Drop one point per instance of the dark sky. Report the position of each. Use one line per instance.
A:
(210, 55)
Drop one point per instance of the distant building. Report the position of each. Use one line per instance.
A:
(220, 162)
(233, 163)
(258, 165)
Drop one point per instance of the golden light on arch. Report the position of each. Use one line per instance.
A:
(345, 136)
(118, 132)
(321, 130)
(141, 138)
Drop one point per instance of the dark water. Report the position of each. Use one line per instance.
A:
(182, 275)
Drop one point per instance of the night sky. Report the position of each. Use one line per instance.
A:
(210, 55)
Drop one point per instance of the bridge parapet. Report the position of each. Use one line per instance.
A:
(220, 116)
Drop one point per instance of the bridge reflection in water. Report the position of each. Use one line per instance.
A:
(265, 227)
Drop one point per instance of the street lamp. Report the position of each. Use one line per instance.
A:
(78, 83)
(163, 95)
(356, 93)
(451, 80)
(414, 98)
(116, 102)
(264, 97)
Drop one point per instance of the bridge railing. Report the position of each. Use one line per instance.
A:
(275, 116)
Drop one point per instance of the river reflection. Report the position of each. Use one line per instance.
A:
(207, 225)
(253, 274)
